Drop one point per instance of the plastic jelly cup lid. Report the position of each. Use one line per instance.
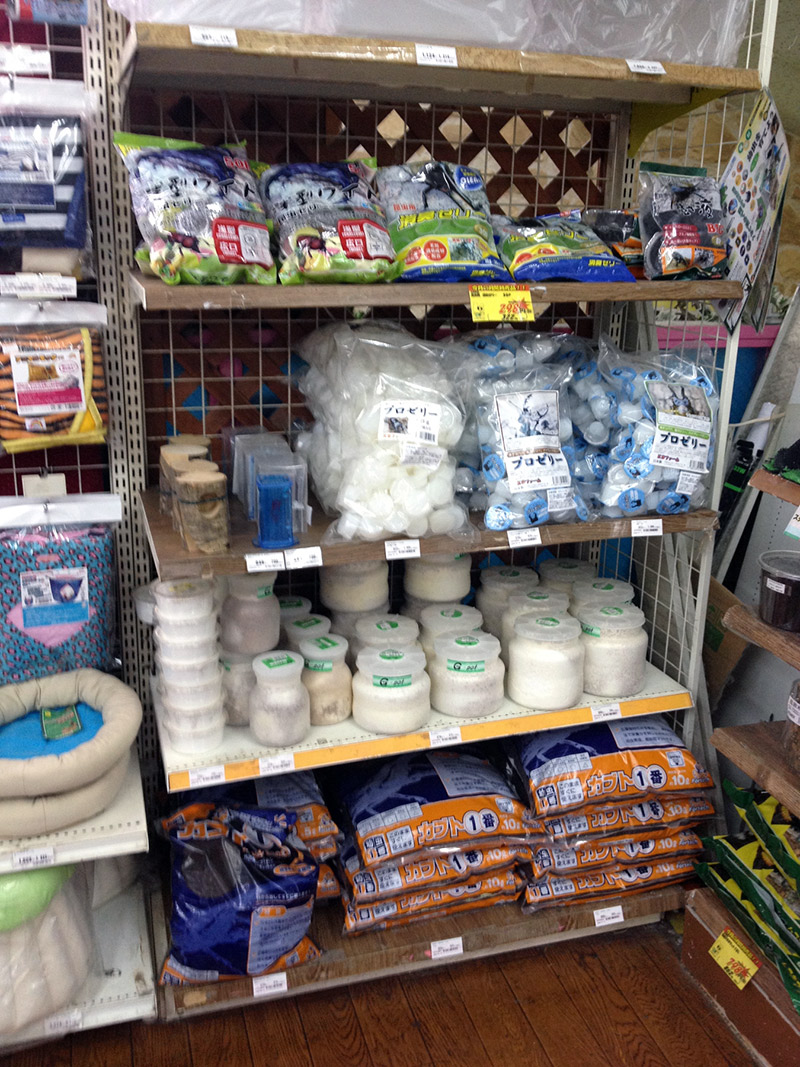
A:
(444, 618)
(278, 665)
(781, 564)
(325, 649)
(595, 620)
(308, 626)
(566, 566)
(292, 607)
(376, 629)
(467, 647)
(606, 589)
(540, 601)
(184, 590)
(509, 576)
(391, 662)
(553, 628)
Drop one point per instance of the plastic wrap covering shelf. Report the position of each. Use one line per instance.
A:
(240, 756)
(417, 947)
(157, 54)
(172, 560)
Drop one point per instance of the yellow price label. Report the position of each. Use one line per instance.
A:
(736, 960)
(501, 303)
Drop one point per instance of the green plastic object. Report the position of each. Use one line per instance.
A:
(25, 894)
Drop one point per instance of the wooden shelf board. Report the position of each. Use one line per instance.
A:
(759, 750)
(240, 756)
(154, 295)
(163, 55)
(172, 560)
(775, 485)
(484, 932)
(744, 622)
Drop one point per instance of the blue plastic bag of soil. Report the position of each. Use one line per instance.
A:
(242, 895)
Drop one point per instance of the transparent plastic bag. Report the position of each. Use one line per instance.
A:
(288, 16)
(331, 226)
(44, 219)
(662, 431)
(386, 419)
(491, 23)
(677, 31)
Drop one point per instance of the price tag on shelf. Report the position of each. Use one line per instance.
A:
(647, 527)
(214, 36)
(22, 59)
(264, 561)
(608, 916)
(645, 66)
(436, 55)
(793, 529)
(276, 764)
(269, 985)
(44, 485)
(302, 557)
(501, 303)
(200, 776)
(63, 1023)
(406, 549)
(38, 286)
(29, 858)
(518, 538)
(604, 712)
(447, 735)
(451, 946)
(736, 959)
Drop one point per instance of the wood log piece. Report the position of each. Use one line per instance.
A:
(202, 498)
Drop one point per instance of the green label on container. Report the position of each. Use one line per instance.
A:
(451, 613)
(326, 642)
(390, 653)
(291, 602)
(271, 662)
(612, 611)
(603, 585)
(548, 621)
(319, 664)
(398, 681)
(264, 591)
(470, 666)
(592, 631)
(306, 624)
(386, 624)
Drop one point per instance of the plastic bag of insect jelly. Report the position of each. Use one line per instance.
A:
(556, 246)
(331, 226)
(198, 211)
(662, 430)
(438, 215)
(681, 222)
(242, 896)
(525, 431)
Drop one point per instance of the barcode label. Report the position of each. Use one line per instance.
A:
(407, 549)
(38, 286)
(268, 985)
(264, 561)
(213, 36)
(63, 1023)
(29, 858)
(276, 764)
(448, 735)
(608, 916)
(436, 55)
(647, 527)
(451, 946)
(604, 712)
(517, 538)
(297, 558)
(200, 776)
(645, 66)
(428, 437)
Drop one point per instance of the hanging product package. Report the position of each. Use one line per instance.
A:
(242, 896)
(439, 221)
(57, 585)
(52, 378)
(555, 247)
(44, 224)
(620, 231)
(626, 760)
(681, 222)
(387, 417)
(331, 226)
(198, 212)
(662, 423)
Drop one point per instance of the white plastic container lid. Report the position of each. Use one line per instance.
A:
(524, 577)
(308, 626)
(355, 569)
(595, 621)
(540, 601)
(602, 591)
(193, 672)
(145, 603)
(556, 629)
(256, 586)
(320, 653)
(377, 628)
(466, 653)
(462, 558)
(293, 607)
(386, 666)
(278, 666)
(565, 568)
(450, 618)
(185, 598)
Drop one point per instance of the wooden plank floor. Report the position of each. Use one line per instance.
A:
(620, 1000)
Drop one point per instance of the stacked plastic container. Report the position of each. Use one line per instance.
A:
(189, 672)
